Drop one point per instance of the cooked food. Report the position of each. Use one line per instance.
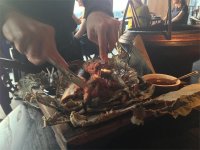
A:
(111, 88)
(107, 85)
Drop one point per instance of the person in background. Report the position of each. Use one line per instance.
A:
(179, 12)
(44, 29)
(142, 12)
(81, 30)
(81, 21)
(77, 19)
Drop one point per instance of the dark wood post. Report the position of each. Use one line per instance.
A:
(169, 31)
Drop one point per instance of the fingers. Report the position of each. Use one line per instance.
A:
(112, 37)
(103, 30)
(106, 37)
(99, 38)
(103, 45)
(35, 54)
(34, 39)
(92, 36)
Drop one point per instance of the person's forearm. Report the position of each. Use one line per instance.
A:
(98, 5)
(82, 30)
(178, 17)
(76, 19)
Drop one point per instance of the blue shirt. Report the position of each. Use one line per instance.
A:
(176, 11)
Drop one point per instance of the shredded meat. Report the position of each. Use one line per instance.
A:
(100, 84)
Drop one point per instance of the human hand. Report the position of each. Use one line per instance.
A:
(30, 37)
(81, 30)
(102, 30)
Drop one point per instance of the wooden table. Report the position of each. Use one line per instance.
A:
(175, 56)
(22, 129)
(67, 135)
(121, 130)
